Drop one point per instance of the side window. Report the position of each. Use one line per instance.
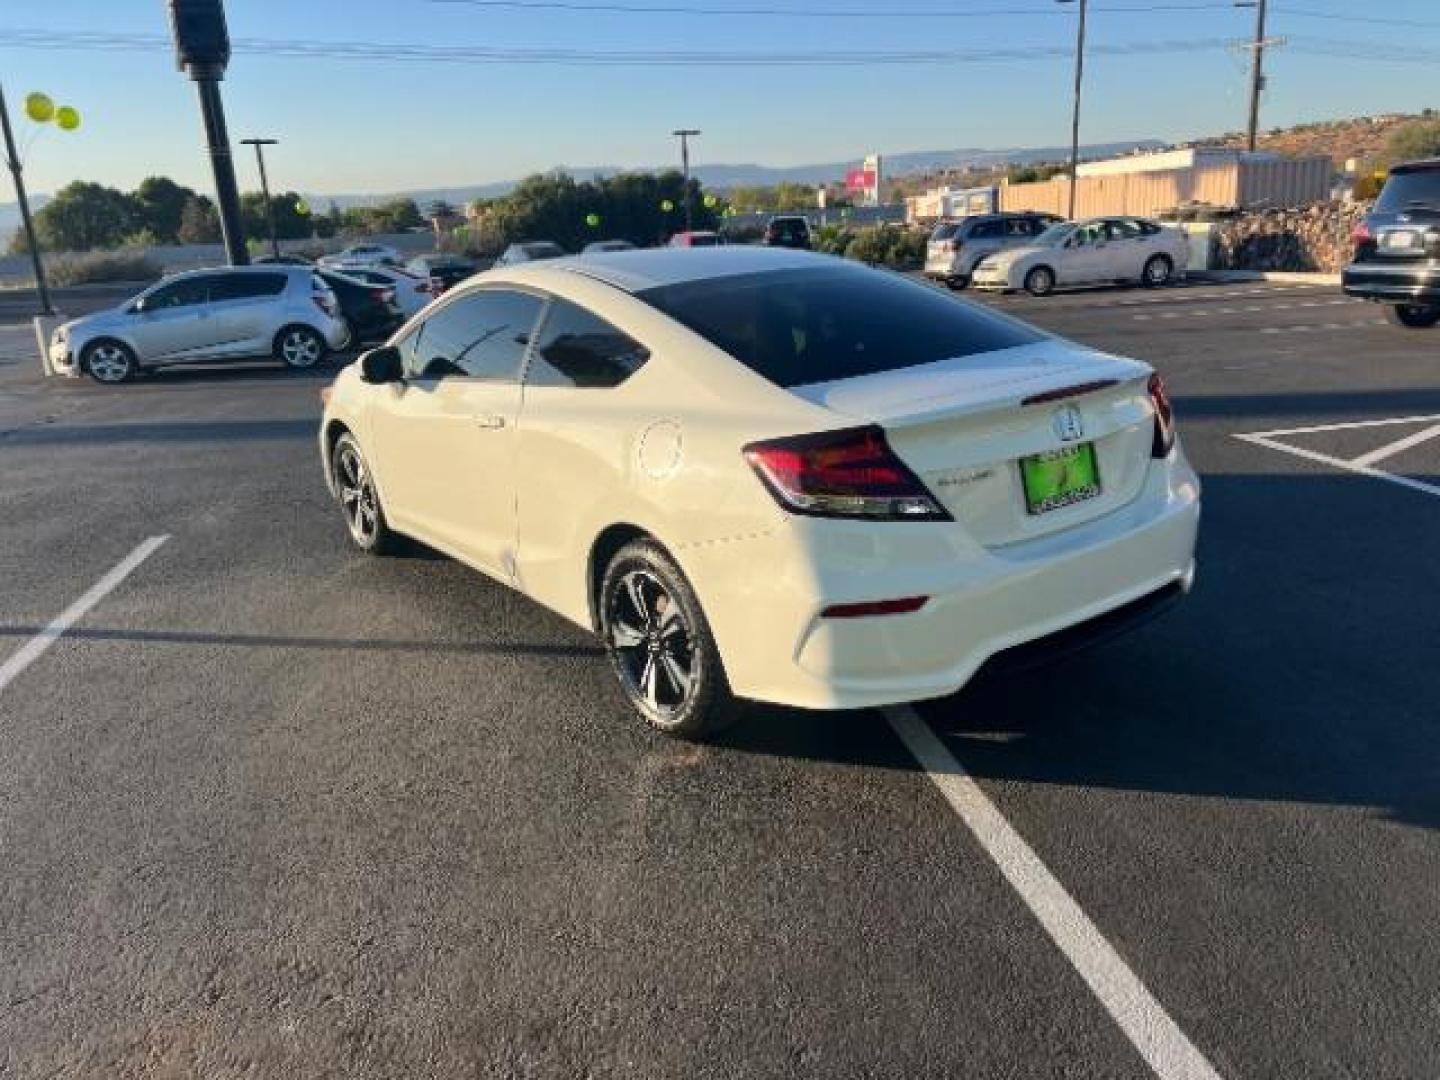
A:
(246, 286)
(1018, 227)
(482, 335)
(578, 349)
(987, 230)
(1123, 230)
(184, 293)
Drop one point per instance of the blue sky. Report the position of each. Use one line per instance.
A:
(376, 126)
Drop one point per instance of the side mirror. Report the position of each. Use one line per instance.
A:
(382, 365)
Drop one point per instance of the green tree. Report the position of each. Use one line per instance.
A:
(1420, 139)
(159, 205)
(83, 216)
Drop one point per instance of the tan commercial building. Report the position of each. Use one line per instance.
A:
(1146, 184)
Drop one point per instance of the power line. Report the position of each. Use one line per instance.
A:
(477, 54)
(606, 8)
(1374, 20)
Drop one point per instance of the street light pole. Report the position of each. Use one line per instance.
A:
(683, 134)
(42, 287)
(1075, 115)
(259, 145)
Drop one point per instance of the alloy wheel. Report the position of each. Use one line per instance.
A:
(300, 348)
(653, 641)
(357, 495)
(109, 363)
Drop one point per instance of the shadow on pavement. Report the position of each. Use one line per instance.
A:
(1302, 669)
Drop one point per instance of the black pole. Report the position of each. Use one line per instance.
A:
(227, 194)
(684, 135)
(260, 145)
(1257, 76)
(13, 159)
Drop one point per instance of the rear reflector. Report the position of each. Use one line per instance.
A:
(1164, 440)
(1069, 391)
(903, 606)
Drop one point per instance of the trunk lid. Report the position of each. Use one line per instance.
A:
(965, 425)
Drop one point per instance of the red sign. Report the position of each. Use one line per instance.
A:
(859, 180)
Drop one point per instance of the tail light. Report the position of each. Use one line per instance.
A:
(1164, 440)
(1361, 234)
(846, 474)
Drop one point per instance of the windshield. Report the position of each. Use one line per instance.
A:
(1403, 190)
(1055, 235)
(797, 327)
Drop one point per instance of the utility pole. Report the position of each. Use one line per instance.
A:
(1075, 112)
(202, 50)
(1257, 67)
(684, 134)
(42, 287)
(259, 145)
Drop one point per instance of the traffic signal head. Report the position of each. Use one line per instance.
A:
(202, 41)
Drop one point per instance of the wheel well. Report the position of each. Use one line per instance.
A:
(611, 540)
(1162, 256)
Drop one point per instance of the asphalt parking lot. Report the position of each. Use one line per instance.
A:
(271, 808)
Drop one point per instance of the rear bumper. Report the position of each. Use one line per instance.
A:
(1417, 283)
(982, 602)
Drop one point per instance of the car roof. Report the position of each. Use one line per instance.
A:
(1425, 165)
(636, 271)
(262, 268)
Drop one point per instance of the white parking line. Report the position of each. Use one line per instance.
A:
(1364, 464)
(1147, 1025)
(33, 649)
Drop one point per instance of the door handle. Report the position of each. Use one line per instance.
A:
(491, 421)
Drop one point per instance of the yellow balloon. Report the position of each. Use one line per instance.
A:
(712, 201)
(302, 207)
(39, 108)
(66, 118)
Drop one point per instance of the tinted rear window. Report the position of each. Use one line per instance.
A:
(816, 325)
(1420, 188)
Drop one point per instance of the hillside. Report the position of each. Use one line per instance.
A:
(1361, 137)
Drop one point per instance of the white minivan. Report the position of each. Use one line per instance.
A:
(235, 313)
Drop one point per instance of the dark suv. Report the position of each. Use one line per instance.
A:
(1397, 246)
(790, 232)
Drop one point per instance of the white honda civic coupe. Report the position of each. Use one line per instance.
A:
(769, 475)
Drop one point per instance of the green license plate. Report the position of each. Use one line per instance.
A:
(1060, 478)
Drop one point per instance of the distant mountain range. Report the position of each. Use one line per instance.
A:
(752, 175)
(714, 176)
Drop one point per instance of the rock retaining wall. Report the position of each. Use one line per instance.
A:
(1313, 238)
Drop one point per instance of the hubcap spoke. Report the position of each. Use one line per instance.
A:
(679, 677)
(649, 683)
(636, 593)
(626, 636)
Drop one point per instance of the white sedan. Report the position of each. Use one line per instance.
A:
(1092, 252)
(765, 474)
(363, 255)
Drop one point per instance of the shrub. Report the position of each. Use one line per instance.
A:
(889, 246)
(833, 239)
(101, 267)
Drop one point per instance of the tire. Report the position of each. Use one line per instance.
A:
(109, 362)
(1040, 281)
(1157, 272)
(660, 645)
(300, 348)
(1415, 316)
(959, 282)
(358, 498)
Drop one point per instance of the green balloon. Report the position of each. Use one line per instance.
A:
(712, 201)
(593, 220)
(668, 205)
(302, 207)
(66, 118)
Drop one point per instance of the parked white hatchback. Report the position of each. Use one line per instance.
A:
(765, 474)
(1092, 252)
(236, 313)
